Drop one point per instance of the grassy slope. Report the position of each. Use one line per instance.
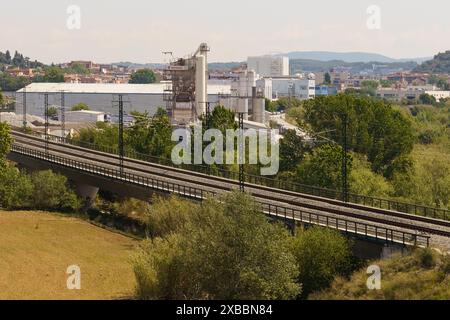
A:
(36, 248)
(412, 277)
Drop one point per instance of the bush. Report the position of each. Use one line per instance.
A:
(168, 216)
(420, 275)
(16, 188)
(51, 192)
(322, 254)
(80, 107)
(323, 167)
(365, 182)
(426, 258)
(227, 251)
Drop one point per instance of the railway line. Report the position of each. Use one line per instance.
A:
(291, 203)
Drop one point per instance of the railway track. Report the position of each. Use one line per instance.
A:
(264, 194)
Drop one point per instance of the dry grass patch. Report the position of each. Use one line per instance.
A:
(37, 247)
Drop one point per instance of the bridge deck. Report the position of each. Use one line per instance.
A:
(277, 198)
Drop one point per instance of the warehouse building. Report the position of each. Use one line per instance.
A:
(101, 97)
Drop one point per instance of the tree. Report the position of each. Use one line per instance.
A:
(364, 181)
(269, 106)
(80, 107)
(51, 192)
(427, 99)
(151, 135)
(8, 57)
(5, 142)
(143, 76)
(228, 251)
(327, 78)
(222, 119)
(79, 69)
(375, 128)
(286, 103)
(369, 87)
(322, 254)
(52, 112)
(53, 75)
(323, 167)
(292, 150)
(15, 190)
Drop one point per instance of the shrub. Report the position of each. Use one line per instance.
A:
(51, 192)
(419, 275)
(16, 188)
(322, 254)
(227, 251)
(168, 216)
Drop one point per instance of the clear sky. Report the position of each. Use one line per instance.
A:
(139, 30)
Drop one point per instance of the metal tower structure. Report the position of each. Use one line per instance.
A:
(24, 105)
(241, 152)
(63, 115)
(46, 122)
(119, 103)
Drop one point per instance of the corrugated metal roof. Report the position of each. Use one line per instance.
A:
(111, 88)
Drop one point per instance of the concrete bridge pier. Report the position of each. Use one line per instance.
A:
(87, 193)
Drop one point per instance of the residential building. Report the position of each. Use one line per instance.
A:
(269, 66)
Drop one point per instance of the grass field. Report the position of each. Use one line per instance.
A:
(36, 248)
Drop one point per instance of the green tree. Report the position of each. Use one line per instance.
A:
(222, 119)
(228, 251)
(80, 107)
(51, 192)
(427, 99)
(54, 75)
(8, 57)
(169, 216)
(364, 181)
(327, 78)
(375, 128)
(103, 134)
(369, 87)
(269, 106)
(5, 142)
(52, 112)
(323, 167)
(79, 69)
(386, 83)
(322, 254)
(143, 76)
(16, 189)
(151, 135)
(292, 150)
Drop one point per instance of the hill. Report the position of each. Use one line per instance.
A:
(306, 65)
(439, 64)
(348, 57)
(36, 248)
(18, 60)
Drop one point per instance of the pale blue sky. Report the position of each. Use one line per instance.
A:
(139, 30)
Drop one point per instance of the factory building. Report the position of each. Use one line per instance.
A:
(245, 97)
(269, 66)
(100, 97)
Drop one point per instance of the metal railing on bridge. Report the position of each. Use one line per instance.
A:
(288, 214)
(376, 202)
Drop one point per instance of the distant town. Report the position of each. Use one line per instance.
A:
(299, 78)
